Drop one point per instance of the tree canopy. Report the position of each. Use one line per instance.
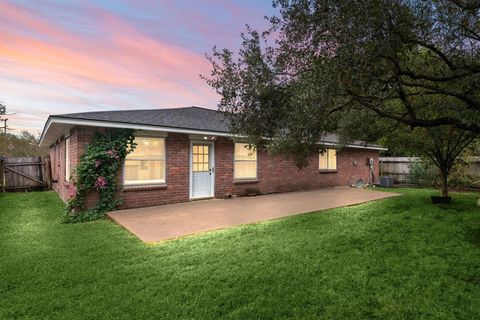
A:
(24, 144)
(326, 66)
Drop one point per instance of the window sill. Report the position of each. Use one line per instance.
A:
(245, 181)
(144, 187)
(327, 171)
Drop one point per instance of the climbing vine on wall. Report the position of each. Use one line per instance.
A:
(98, 171)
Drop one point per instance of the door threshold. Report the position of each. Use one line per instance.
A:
(202, 198)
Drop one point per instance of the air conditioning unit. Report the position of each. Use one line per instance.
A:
(386, 182)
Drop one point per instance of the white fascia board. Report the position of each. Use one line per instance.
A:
(45, 129)
(109, 124)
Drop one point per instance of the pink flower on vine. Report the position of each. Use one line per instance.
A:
(112, 153)
(101, 183)
(72, 191)
(98, 163)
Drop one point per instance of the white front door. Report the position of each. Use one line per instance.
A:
(202, 170)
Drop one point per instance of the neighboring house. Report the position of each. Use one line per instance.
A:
(188, 153)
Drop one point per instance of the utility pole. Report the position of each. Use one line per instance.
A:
(5, 127)
(3, 113)
(4, 151)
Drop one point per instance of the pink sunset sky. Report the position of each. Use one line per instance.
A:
(74, 56)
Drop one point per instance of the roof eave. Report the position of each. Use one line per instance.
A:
(126, 125)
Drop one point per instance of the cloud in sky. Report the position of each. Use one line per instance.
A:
(61, 56)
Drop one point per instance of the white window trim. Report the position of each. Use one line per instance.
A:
(235, 160)
(326, 153)
(141, 183)
(67, 159)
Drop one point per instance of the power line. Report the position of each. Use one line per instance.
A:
(5, 126)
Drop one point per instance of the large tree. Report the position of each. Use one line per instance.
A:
(330, 61)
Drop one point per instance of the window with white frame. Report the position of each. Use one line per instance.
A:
(67, 159)
(245, 162)
(146, 164)
(328, 160)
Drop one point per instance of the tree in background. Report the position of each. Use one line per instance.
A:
(443, 146)
(335, 62)
(23, 145)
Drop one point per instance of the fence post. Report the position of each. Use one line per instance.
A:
(40, 169)
(48, 172)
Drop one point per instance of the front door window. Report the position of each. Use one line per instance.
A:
(202, 170)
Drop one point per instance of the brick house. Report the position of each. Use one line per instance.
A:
(185, 154)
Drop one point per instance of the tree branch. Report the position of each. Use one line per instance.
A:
(427, 123)
(435, 50)
(468, 100)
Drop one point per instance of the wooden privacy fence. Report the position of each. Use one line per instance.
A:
(25, 173)
(398, 167)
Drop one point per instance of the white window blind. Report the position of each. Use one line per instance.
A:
(146, 164)
(67, 159)
(245, 162)
(328, 160)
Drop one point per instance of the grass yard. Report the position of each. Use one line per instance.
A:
(399, 258)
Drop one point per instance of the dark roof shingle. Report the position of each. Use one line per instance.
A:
(190, 118)
(195, 118)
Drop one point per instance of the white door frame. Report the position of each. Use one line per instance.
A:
(211, 156)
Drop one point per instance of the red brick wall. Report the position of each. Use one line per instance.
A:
(275, 174)
(177, 178)
(57, 162)
(79, 139)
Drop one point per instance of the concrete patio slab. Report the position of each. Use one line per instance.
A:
(161, 223)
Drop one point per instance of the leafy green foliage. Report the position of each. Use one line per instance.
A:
(340, 66)
(98, 171)
(422, 174)
(461, 178)
(24, 144)
(442, 147)
(425, 174)
(398, 258)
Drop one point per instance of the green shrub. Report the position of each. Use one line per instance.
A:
(98, 171)
(426, 174)
(422, 174)
(461, 178)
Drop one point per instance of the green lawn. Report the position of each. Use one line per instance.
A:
(399, 258)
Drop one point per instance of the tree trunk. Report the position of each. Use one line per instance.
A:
(444, 176)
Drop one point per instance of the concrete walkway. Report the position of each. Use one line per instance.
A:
(160, 223)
